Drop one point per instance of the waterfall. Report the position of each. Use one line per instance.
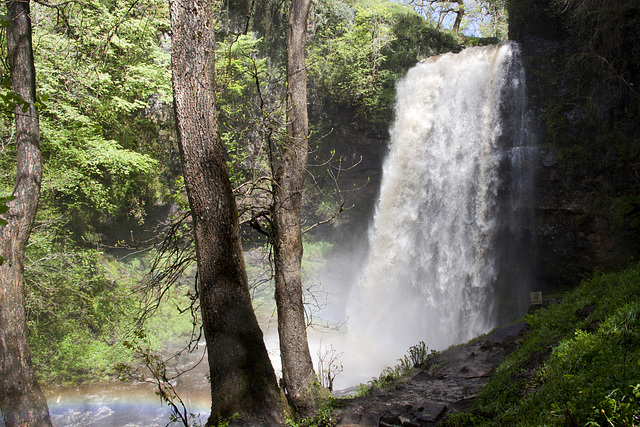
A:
(450, 256)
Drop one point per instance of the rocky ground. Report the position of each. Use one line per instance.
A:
(448, 383)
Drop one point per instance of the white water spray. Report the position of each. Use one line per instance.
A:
(448, 258)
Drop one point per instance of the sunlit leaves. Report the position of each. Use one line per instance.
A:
(105, 179)
(349, 66)
(357, 61)
(106, 64)
(242, 78)
(9, 100)
(105, 67)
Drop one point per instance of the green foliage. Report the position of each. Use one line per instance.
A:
(315, 253)
(326, 416)
(103, 63)
(4, 208)
(78, 308)
(418, 355)
(9, 99)
(348, 69)
(225, 423)
(414, 39)
(240, 74)
(105, 127)
(364, 47)
(105, 180)
(579, 365)
(82, 307)
(172, 322)
(619, 408)
(626, 210)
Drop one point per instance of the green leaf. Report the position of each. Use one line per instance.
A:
(4, 208)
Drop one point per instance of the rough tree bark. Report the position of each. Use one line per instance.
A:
(242, 377)
(297, 366)
(21, 400)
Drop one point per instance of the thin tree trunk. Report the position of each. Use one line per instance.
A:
(21, 400)
(297, 366)
(459, 16)
(242, 377)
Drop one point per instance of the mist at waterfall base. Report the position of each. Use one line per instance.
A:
(450, 248)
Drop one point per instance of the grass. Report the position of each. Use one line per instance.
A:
(418, 355)
(579, 365)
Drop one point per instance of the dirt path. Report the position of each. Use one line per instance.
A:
(448, 384)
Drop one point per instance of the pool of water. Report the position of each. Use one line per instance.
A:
(132, 404)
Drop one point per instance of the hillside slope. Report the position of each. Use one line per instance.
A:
(573, 362)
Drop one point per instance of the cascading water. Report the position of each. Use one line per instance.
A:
(449, 257)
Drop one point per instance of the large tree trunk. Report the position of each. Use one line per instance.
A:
(242, 377)
(297, 366)
(21, 400)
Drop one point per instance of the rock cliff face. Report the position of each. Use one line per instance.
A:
(356, 151)
(588, 171)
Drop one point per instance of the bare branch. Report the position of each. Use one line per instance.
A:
(327, 220)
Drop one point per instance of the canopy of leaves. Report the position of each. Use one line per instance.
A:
(360, 49)
(105, 73)
(484, 18)
(103, 96)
